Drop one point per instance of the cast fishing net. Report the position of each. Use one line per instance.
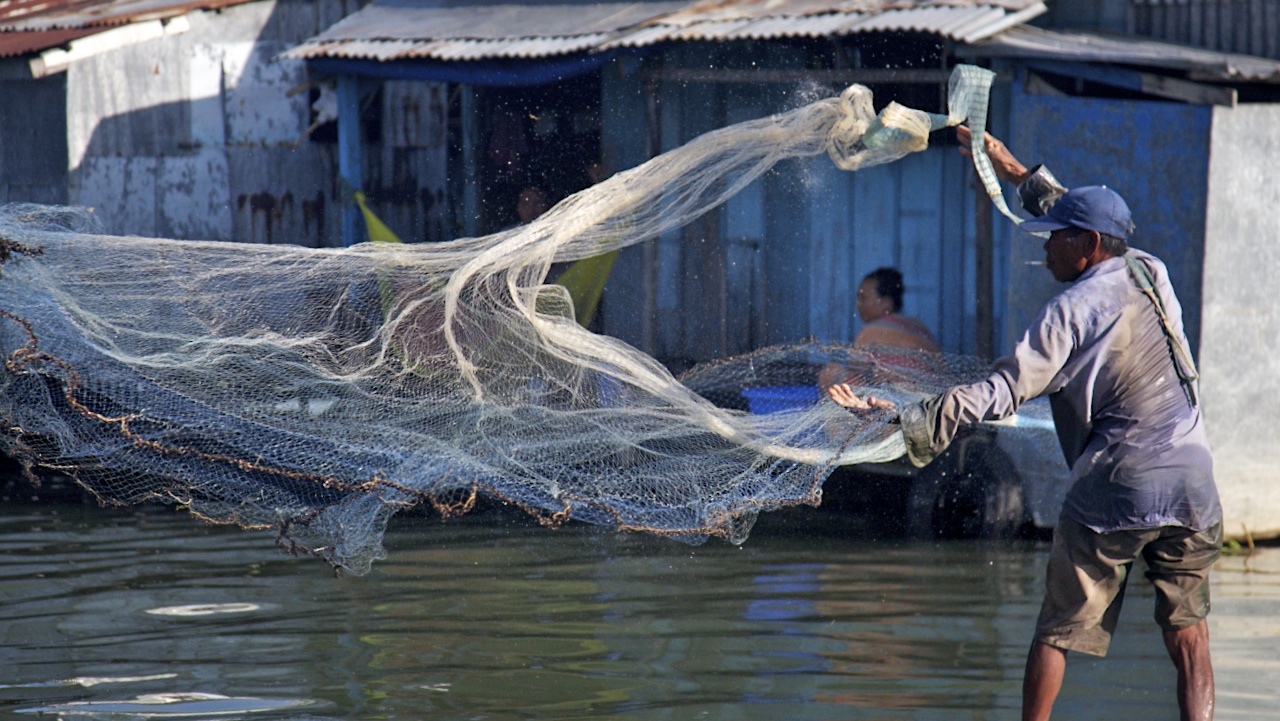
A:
(318, 392)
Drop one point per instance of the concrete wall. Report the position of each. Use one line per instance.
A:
(198, 135)
(1240, 352)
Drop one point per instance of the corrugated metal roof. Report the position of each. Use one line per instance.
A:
(1199, 64)
(30, 26)
(394, 30)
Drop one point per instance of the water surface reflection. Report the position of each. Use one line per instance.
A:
(146, 613)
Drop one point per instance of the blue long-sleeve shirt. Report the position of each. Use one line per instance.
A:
(1129, 430)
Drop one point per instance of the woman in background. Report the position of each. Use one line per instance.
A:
(879, 306)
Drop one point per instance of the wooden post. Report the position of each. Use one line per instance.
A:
(350, 170)
(649, 261)
(470, 168)
(984, 267)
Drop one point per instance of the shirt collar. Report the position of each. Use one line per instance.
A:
(1107, 266)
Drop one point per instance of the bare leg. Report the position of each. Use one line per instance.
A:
(1189, 649)
(1043, 680)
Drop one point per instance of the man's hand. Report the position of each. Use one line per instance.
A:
(1006, 166)
(842, 393)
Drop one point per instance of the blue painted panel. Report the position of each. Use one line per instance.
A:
(742, 240)
(787, 268)
(1155, 154)
(956, 298)
(623, 144)
(668, 316)
(744, 213)
(831, 294)
(788, 263)
(920, 236)
(875, 218)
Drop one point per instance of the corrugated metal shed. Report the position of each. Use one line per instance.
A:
(30, 26)
(464, 31)
(1237, 26)
(1207, 65)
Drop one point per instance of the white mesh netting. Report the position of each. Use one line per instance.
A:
(320, 391)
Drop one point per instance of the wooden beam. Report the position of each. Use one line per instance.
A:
(984, 271)
(1137, 81)
(1036, 85)
(838, 76)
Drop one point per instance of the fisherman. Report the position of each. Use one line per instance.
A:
(1111, 354)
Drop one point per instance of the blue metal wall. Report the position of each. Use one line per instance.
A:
(1155, 154)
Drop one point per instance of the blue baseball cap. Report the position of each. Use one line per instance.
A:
(1093, 207)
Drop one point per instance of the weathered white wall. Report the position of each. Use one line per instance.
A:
(196, 135)
(1240, 334)
(405, 175)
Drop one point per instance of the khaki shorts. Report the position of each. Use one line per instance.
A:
(1087, 573)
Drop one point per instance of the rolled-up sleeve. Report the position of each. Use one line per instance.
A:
(1040, 191)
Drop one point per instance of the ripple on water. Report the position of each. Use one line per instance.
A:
(89, 681)
(128, 615)
(204, 609)
(169, 705)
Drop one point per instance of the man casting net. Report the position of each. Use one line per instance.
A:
(318, 392)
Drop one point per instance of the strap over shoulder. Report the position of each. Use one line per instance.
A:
(1182, 361)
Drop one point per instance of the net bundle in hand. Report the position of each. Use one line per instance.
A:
(318, 391)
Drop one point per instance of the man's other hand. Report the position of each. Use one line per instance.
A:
(842, 393)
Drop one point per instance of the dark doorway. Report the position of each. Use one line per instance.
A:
(544, 138)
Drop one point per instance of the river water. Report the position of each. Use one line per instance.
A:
(145, 612)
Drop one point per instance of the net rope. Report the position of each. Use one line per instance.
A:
(319, 391)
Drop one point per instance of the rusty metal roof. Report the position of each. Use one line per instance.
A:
(26, 43)
(32, 15)
(401, 29)
(1199, 64)
(31, 26)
